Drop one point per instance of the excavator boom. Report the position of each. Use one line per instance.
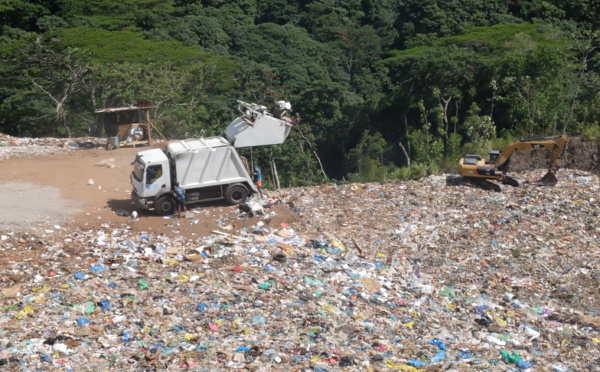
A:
(555, 143)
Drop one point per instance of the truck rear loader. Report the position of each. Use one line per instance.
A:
(207, 168)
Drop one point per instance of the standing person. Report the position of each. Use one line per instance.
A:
(258, 180)
(180, 194)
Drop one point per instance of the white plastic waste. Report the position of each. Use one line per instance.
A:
(531, 333)
(494, 340)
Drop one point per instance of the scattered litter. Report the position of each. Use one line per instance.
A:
(412, 276)
(122, 212)
(106, 163)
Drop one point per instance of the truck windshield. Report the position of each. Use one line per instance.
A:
(138, 170)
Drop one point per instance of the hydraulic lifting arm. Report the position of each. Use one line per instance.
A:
(555, 143)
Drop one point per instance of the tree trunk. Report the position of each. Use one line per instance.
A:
(456, 114)
(274, 169)
(407, 149)
(446, 123)
(405, 154)
(590, 46)
(315, 153)
(345, 155)
(573, 101)
(61, 113)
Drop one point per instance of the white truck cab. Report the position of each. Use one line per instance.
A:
(150, 179)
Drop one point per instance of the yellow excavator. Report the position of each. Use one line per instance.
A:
(492, 174)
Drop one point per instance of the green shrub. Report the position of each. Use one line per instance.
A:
(454, 147)
(591, 132)
(402, 174)
(472, 148)
(418, 170)
(433, 168)
(448, 165)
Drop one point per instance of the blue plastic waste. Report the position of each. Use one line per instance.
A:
(79, 276)
(104, 305)
(438, 357)
(464, 355)
(524, 365)
(83, 321)
(438, 343)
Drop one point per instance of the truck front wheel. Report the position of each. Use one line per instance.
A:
(236, 194)
(165, 205)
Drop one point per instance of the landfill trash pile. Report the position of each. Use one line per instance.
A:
(412, 276)
(11, 147)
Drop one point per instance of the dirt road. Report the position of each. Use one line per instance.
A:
(71, 190)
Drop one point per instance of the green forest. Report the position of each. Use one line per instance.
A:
(380, 89)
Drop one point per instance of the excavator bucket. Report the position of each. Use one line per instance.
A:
(549, 179)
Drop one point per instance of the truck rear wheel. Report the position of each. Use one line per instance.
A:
(236, 194)
(165, 205)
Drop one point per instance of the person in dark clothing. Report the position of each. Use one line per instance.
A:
(180, 195)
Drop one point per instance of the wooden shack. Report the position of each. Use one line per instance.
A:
(131, 125)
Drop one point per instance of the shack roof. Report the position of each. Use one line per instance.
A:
(128, 108)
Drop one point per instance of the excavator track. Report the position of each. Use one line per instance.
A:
(494, 185)
(513, 181)
(487, 184)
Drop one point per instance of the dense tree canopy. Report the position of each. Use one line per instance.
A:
(380, 89)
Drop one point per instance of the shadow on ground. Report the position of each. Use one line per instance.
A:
(455, 180)
(124, 207)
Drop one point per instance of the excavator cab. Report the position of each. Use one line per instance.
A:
(494, 155)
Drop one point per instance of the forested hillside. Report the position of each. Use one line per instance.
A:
(381, 89)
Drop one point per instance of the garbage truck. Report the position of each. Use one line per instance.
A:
(207, 168)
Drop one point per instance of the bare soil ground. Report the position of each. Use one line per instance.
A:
(54, 191)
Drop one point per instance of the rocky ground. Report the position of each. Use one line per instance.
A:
(424, 275)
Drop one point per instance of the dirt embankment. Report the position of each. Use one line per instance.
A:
(578, 154)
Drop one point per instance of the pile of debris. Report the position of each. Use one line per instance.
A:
(413, 276)
(11, 147)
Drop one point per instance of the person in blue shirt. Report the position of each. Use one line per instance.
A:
(180, 195)
(257, 178)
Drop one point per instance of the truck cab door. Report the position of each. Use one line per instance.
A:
(156, 179)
